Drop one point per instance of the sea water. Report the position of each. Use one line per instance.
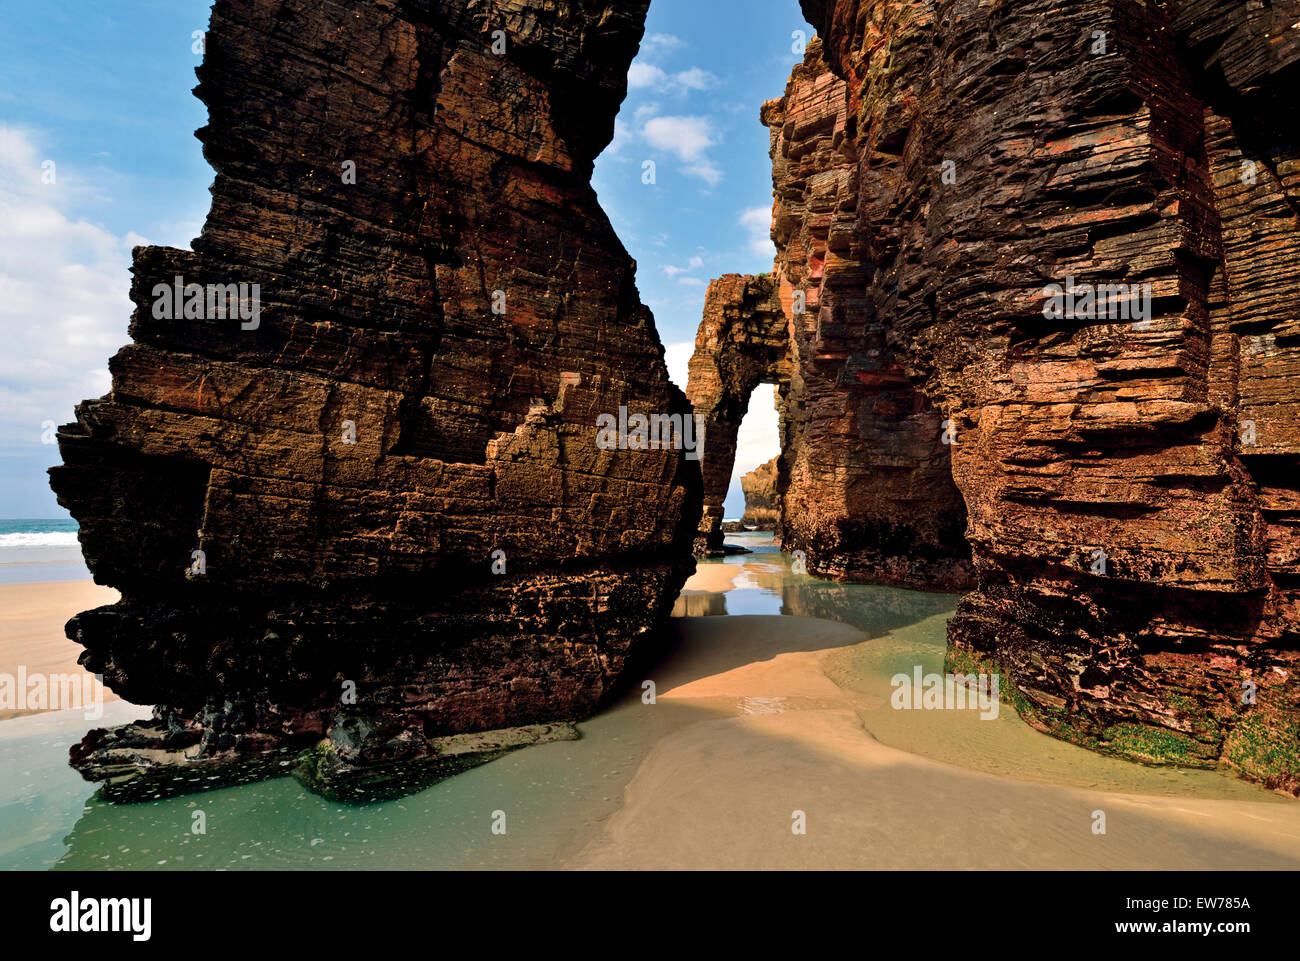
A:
(33, 550)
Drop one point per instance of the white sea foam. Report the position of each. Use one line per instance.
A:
(39, 539)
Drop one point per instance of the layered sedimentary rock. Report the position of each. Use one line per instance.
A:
(869, 494)
(370, 508)
(864, 484)
(1131, 475)
(762, 499)
(743, 341)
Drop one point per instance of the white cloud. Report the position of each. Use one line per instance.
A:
(688, 139)
(641, 75)
(662, 41)
(64, 302)
(757, 222)
(685, 137)
(646, 76)
(695, 79)
(695, 263)
(706, 171)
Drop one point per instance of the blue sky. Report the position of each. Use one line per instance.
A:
(103, 91)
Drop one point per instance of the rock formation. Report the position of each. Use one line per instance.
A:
(864, 473)
(1033, 285)
(367, 510)
(869, 494)
(1129, 466)
(762, 500)
(743, 341)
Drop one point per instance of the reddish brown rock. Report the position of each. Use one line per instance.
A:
(392, 473)
(1131, 487)
(762, 498)
(869, 494)
(743, 341)
(864, 480)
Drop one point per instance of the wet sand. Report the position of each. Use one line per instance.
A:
(722, 791)
(32, 617)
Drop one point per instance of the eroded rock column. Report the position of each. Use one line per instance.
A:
(870, 494)
(368, 506)
(864, 480)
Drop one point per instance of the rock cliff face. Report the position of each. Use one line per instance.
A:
(762, 499)
(870, 494)
(1129, 466)
(864, 474)
(371, 507)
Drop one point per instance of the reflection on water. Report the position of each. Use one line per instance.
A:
(554, 795)
(700, 604)
(761, 582)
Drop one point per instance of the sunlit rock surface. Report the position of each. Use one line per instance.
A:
(407, 527)
(762, 500)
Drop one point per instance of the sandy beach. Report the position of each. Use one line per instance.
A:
(712, 578)
(775, 715)
(31, 630)
(723, 791)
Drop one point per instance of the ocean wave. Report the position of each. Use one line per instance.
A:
(39, 539)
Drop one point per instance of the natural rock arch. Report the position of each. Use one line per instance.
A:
(392, 477)
(742, 342)
(864, 473)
